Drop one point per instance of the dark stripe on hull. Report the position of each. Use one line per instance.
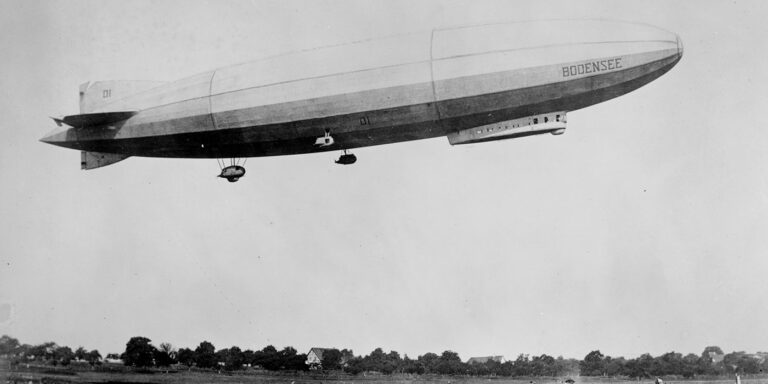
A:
(474, 111)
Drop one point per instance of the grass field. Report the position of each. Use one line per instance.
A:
(51, 375)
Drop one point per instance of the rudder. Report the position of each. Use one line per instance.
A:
(91, 160)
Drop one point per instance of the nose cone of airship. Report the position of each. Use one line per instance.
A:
(538, 43)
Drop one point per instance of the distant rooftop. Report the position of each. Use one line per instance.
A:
(484, 359)
(716, 357)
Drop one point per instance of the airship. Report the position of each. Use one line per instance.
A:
(471, 84)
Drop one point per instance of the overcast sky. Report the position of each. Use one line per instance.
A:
(642, 229)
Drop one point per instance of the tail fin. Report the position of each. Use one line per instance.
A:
(92, 119)
(97, 96)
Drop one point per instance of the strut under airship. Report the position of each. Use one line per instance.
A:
(472, 84)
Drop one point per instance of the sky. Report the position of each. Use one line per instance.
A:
(642, 229)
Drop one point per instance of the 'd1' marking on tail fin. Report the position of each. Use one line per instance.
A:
(110, 95)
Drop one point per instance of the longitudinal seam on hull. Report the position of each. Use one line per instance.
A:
(432, 73)
(210, 100)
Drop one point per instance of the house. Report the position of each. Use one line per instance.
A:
(760, 357)
(716, 357)
(485, 359)
(315, 358)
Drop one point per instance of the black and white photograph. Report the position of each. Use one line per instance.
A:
(383, 192)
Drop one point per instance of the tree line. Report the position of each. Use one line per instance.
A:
(711, 362)
(141, 353)
(48, 352)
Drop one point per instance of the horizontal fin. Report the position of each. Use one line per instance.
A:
(91, 160)
(93, 119)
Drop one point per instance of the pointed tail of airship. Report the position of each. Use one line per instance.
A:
(100, 120)
(75, 123)
(102, 106)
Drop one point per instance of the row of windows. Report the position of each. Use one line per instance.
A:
(546, 119)
(535, 121)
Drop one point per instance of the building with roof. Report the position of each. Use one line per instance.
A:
(485, 359)
(759, 356)
(315, 358)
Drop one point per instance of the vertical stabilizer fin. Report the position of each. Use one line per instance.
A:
(91, 160)
(107, 96)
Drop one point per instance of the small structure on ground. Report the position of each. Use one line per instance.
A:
(485, 359)
(315, 358)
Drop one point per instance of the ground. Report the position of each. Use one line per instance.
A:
(117, 375)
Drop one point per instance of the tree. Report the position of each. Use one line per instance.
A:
(63, 356)
(267, 358)
(355, 365)
(645, 365)
(248, 357)
(671, 363)
(235, 359)
(346, 354)
(232, 358)
(331, 359)
(506, 369)
(543, 365)
(393, 362)
(382, 362)
(740, 363)
(23, 351)
(450, 363)
(205, 355)
(614, 367)
(168, 348)
(43, 351)
(764, 366)
(593, 364)
(429, 362)
(521, 366)
(186, 356)
(289, 359)
(163, 359)
(375, 361)
(8, 345)
(93, 357)
(477, 369)
(566, 367)
(412, 366)
(221, 356)
(690, 365)
(491, 367)
(81, 353)
(139, 352)
(165, 355)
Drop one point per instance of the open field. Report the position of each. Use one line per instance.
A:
(40, 375)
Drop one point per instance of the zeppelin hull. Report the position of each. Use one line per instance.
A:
(414, 87)
(391, 125)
